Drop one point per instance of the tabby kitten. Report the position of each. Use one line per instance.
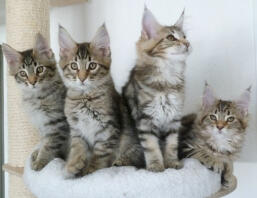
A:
(43, 96)
(155, 90)
(215, 136)
(92, 104)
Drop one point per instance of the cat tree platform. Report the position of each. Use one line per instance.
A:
(192, 181)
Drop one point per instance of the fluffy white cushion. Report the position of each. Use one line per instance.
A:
(193, 181)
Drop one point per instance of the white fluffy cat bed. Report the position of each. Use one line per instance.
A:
(193, 181)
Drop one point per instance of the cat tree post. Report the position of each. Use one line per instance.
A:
(24, 18)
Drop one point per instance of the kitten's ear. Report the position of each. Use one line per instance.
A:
(100, 44)
(208, 97)
(243, 101)
(151, 27)
(13, 58)
(68, 46)
(41, 47)
(180, 21)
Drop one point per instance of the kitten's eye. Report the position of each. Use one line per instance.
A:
(213, 117)
(171, 37)
(230, 119)
(92, 66)
(74, 66)
(40, 69)
(23, 74)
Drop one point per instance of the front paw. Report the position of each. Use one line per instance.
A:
(122, 161)
(218, 167)
(89, 170)
(176, 164)
(117, 162)
(155, 167)
(37, 164)
(214, 165)
(75, 167)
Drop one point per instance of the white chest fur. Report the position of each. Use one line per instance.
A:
(164, 109)
(88, 126)
(37, 116)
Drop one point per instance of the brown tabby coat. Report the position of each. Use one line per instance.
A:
(155, 91)
(93, 107)
(43, 95)
(215, 136)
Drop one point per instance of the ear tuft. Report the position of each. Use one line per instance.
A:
(180, 21)
(67, 45)
(151, 27)
(13, 58)
(100, 44)
(41, 47)
(208, 97)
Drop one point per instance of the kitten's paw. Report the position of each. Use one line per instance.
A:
(214, 165)
(89, 170)
(174, 164)
(39, 164)
(117, 162)
(156, 168)
(75, 166)
(121, 162)
(218, 167)
(34, 155)
(36, 163)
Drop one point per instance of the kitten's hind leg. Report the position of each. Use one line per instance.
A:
(130, 152)
(133, 156)
(78, 158)
(171, 152)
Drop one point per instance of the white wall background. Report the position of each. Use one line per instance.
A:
(222, 34)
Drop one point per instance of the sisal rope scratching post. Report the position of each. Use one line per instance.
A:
(24, 18)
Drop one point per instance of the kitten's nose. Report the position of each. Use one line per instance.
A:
(82, 74)
(32, 79)
(185, 42)
(220, 125)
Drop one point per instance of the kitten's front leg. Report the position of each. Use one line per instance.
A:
(209, 160)
(171, 152)
(78, 158)
(103, 156)
(229, 181)
(52, 145)
(150, 144)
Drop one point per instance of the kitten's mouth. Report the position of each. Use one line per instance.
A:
(32, 86)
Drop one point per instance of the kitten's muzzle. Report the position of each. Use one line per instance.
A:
(220, 125)
(82, 75)
(32, 79)
(185, 42)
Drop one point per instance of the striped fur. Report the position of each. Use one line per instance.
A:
(93, 107)
(43, 97)
(203, 138)
(155, 92)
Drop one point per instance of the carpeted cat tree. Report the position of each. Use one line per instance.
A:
(25, 18)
